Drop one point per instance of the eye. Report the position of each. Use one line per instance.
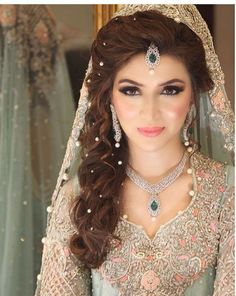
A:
(129, 91)
(172, 90)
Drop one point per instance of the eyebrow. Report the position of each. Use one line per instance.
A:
(162, 84)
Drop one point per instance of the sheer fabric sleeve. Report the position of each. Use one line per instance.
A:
(224, 282)
(61, 272)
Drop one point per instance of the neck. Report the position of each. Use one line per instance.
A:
(151, 165)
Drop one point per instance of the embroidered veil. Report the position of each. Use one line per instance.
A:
(214, 131)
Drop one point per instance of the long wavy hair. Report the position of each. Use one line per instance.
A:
(96, 210)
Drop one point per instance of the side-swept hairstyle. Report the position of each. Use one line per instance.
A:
(96, 211)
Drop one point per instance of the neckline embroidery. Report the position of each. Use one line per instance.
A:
(181, 250)
(181, 213)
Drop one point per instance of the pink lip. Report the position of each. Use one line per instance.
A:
(150, 131)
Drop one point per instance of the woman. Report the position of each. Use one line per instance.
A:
(153, 215)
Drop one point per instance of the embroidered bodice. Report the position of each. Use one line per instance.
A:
(197, 240)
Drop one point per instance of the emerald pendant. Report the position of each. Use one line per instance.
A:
(153, 206)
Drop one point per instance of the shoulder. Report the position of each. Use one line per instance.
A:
(60, 225)
(67, 194)
(212, 168)
(217, 178)
(71, 187)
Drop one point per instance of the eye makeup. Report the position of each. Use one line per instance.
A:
(168, 90)
(172, 90)
(129, 90)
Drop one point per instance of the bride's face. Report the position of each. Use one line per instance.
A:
(151, 108)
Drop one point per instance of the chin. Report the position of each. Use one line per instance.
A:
(149, 147)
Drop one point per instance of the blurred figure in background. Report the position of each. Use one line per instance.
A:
(36, 113)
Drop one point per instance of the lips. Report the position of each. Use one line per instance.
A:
(151, 131)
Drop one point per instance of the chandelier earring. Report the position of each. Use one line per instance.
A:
(116, 127)
(188, 121)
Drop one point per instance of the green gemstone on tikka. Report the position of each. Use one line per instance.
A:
(154, 205)
(152, 58)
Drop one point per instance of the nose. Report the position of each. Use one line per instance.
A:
(150, 109)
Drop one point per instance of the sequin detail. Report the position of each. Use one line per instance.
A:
(61, 272)
(180, 251)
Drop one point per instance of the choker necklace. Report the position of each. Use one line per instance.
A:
(155, 189)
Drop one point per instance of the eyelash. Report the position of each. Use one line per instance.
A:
(134, 91)
(129, 90)
(176, 89)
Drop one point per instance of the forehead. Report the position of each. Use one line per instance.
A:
(168, 68)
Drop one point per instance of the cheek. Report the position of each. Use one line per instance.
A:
(178, 111)
(124, 110)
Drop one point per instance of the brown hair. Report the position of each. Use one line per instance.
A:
(99, 174)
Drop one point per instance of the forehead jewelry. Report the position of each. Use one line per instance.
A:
(152, 57)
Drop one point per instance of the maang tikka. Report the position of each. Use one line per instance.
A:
(116, 127)
(152, 57)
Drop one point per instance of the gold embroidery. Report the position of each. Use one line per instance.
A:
(180, 251)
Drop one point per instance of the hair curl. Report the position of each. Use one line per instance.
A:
(99, 174)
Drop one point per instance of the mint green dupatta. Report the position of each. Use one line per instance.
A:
(36, 113)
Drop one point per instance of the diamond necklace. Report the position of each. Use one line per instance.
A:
(155, 189)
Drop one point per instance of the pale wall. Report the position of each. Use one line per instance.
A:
(224, 44)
